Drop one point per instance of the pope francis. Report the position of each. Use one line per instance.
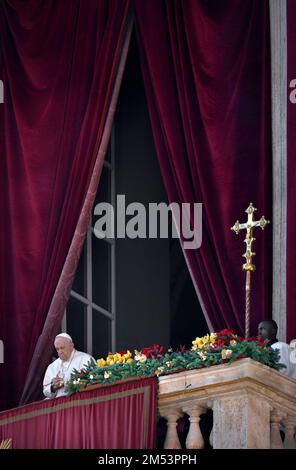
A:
(59, 371)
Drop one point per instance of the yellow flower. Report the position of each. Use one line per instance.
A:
(197, 344)
(109, 359)
(107, 374)
(117, 358)
(101, 362)
(201, 343)
(213, 337)
(127, 355)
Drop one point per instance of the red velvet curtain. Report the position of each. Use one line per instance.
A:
(42, 354)
(120, 416)
(58, 65)
(206, 68)
(291, 174)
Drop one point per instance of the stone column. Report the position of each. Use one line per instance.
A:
(194, 438)
(290, 429)
(275, 436)
(279, 90)
(241, 421)
(171, 414)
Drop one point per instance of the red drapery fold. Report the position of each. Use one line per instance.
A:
(58, 65)
(121, 416)
(206, 68)
(42, 354)
(291, 173)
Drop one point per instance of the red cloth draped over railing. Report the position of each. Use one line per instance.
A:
(206, 69)
(119, 416)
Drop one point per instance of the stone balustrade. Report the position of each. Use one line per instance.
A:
(254, 406)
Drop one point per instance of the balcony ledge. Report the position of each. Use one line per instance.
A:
(250, 403)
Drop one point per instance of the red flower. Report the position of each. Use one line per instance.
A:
(154, 352)
(224, 337)
(225, 333)
(260, 341)
(219, 343)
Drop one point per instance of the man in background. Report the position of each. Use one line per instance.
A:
(267, 330)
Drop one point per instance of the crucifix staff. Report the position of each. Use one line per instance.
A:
(248, 266)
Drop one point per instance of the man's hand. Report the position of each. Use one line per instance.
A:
(56, 384)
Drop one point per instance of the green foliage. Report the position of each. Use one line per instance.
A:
(222, 352)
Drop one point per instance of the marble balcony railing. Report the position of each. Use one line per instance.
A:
(254, 406)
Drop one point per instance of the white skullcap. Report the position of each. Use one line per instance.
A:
(64, 335)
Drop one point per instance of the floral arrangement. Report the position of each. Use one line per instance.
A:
(211, 349)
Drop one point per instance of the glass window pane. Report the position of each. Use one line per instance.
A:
(79, 284)
(108, 153)
(101, 272)
(76, 323)
(103, 196)
(104, 188)
(101, 335)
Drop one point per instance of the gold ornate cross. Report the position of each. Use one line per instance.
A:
(248, 266)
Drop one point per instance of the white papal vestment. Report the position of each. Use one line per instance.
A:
(286, 358)
(63, 369)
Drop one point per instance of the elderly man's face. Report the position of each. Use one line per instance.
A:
(266, 330)
(64, 348)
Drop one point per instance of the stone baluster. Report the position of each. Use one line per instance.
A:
(290, 428)
(194, 438)
(172, 415)
(211, 438)
(275, 436)
(210, 406)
